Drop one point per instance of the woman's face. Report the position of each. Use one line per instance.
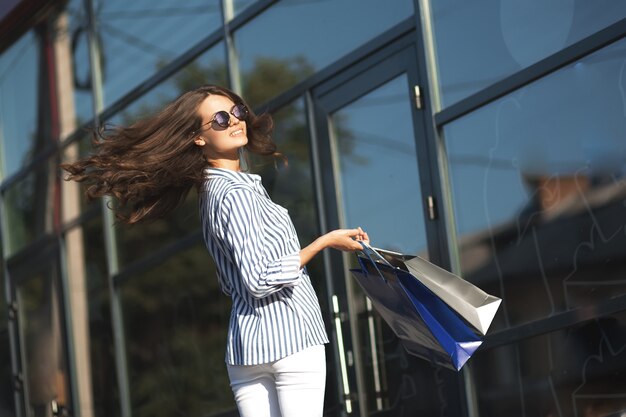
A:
(220, 142)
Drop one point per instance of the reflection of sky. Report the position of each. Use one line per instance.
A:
(320, 30)
(479, 42)
(143, 34)
(379, 177)
(18, 101)
(572, 121)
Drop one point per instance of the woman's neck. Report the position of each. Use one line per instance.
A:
(230, 164)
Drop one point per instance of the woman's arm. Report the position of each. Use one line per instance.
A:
(341, 239)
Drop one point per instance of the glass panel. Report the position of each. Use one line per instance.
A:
(31, 206)
(72, 68)
(376, 161)
(141, 240)
(41, 332)
(577, 371)
(284, 44)
(137, 37)
(481, 42)
(7, 401)
(176, 320)
(19, 101)
(379, 189)
(86, 262)
(539, 190)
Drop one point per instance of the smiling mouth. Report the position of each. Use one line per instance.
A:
(237, 132)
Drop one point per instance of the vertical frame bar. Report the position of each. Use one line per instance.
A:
(108, 221)
(232, 59)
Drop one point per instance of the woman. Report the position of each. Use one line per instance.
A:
(275, 349)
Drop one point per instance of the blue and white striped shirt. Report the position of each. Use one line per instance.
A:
(254, 244)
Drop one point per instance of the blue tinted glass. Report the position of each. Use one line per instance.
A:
(377, 159)
(293, 39)
(142, 36)
(19, 72)
(481, 42)
(539, 188)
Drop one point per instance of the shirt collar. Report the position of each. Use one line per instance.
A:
(236, 176)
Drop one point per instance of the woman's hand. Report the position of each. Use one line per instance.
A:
(340, 239)
(345, 239)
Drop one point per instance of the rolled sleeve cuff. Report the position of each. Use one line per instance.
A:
(286, 272)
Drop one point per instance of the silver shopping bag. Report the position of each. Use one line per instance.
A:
(425, 325)
(473, 304)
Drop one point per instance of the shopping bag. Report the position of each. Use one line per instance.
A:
(425, 325)
(473, 304)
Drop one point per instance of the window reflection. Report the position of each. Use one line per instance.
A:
(42, 336)
(284, 45)
(31, 206)
(140, 37)
(376, 159)
(72, 68)
(19, 73)
(141, 240)
(176, 320)
(577, 371)
(539, 188)
(86, 264)
(479, 43)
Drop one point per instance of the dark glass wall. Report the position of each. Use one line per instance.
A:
(535, 179)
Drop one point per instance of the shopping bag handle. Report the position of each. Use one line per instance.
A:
(369, 251)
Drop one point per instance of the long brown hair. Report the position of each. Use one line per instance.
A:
(151, 165)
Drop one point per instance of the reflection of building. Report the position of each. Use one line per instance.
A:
(507, 165)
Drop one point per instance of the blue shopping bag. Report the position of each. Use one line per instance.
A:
(425, 325)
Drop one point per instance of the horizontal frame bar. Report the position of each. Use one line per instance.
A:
(555, 322)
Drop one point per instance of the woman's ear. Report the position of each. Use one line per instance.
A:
(199, 140)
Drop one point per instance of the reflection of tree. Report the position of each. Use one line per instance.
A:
(176, 321)
(272, 76)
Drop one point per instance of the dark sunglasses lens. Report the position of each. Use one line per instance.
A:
(240, 111)
(222, 119)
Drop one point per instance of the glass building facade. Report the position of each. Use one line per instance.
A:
(487, 136)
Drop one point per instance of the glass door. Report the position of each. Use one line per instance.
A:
(376, 170)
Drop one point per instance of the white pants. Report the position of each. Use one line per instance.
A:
(289, 387)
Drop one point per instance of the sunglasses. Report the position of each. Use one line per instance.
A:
(221, 119)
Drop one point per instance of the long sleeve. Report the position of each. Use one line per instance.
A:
(275, 311)
(258, 247)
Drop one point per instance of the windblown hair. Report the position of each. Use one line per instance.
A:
(150, 166)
